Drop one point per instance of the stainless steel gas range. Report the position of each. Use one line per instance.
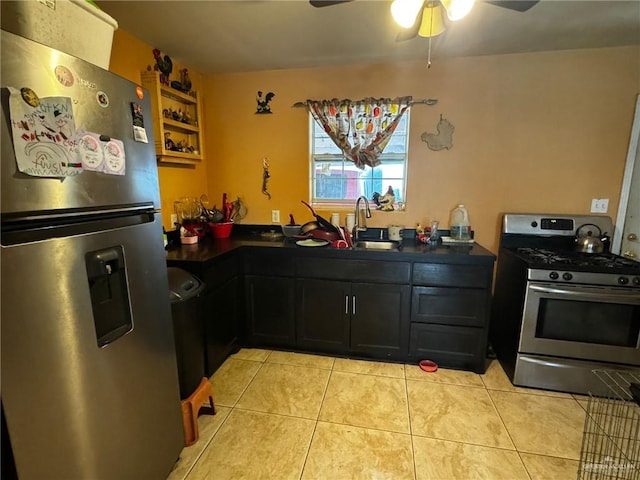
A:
(558, 314)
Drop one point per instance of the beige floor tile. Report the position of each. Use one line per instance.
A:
(443, 375)
(344, 452)
(540, 424)
(287, 390)
(253, 445)
(541, 467)
(382, 369)
(301, 359)
(366, 401)
(230, 380)
(208, 425)
(440, 459)
(452, 412)
(255, 354)
(495, 379)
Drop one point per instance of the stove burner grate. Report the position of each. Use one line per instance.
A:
(542, 256)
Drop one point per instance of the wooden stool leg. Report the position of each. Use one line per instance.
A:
(191, 406)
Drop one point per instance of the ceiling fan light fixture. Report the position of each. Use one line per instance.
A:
(432, 24)
(405, 12)
(457, 9)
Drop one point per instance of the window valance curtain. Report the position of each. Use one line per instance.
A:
(361, 129)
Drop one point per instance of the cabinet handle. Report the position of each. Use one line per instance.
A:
(353, 307)
(346, 304)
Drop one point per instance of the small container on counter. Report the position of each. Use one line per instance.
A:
(459, 224)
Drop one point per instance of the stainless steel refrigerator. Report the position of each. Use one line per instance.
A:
(89, 382)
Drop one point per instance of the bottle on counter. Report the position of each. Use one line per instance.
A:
(459, 225)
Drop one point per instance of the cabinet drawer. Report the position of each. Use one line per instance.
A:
(473, 276)
(268, 261)
(449, 306)
(455, 347)
(358, 270)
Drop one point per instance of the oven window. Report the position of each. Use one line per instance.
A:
(589, 322)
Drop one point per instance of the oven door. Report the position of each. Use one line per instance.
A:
(582, 322)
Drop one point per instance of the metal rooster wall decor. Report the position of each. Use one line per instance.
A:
(441, 140)
(263, 102)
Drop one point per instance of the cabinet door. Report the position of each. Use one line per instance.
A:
(452, 347)
(380, 320)
(270, 310)
(222, 323)
(449, 306)
(323, 309)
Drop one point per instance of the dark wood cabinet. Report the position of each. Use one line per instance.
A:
(222, 326)
(270, 311)
(380, 320)
(450, 314)
(353, 318)
(408, 308)
(353, 307)
(269, 298)
(322, 315)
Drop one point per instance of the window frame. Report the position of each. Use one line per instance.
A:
(315, 159)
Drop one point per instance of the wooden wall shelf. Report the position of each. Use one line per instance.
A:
(164, 98)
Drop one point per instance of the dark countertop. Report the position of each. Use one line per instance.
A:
(411, 250)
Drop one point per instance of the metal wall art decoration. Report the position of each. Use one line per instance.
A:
(441, 140)
(263, 102)
(265, 176)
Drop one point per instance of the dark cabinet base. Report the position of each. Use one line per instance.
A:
(449, 347)
(270, 311)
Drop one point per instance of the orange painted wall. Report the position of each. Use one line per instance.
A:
(130, 56)
(543, 132)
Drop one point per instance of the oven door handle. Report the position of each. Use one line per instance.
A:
(615, 297)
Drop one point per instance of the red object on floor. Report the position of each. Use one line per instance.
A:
(428, 365)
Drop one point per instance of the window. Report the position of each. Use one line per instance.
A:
(337, 181)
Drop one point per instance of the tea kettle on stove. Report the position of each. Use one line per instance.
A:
(586, 242)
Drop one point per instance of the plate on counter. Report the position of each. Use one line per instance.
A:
(309, 242)
(455, 241)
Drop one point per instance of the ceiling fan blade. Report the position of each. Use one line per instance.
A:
(412, 31)
(518, 5)
(327, 3)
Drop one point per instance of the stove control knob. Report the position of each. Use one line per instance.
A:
(636, 281)
(623, 280)
(553, 275)
(567, 276)
(534, 224)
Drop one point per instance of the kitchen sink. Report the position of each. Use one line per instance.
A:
(376, 245)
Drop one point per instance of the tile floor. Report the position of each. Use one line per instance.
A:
(285, 415)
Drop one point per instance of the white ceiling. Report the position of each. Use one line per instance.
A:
(253, 35)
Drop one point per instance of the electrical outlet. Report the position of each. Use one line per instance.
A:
(275, 216)
(174, 219)
(599, 205)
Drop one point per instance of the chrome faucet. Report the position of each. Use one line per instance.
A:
(357, 227)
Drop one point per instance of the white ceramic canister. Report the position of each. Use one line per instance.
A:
(395, 232)
(335, 219)
(459, 224)
(350, 221)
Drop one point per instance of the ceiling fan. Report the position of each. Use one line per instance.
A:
(426, 17)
